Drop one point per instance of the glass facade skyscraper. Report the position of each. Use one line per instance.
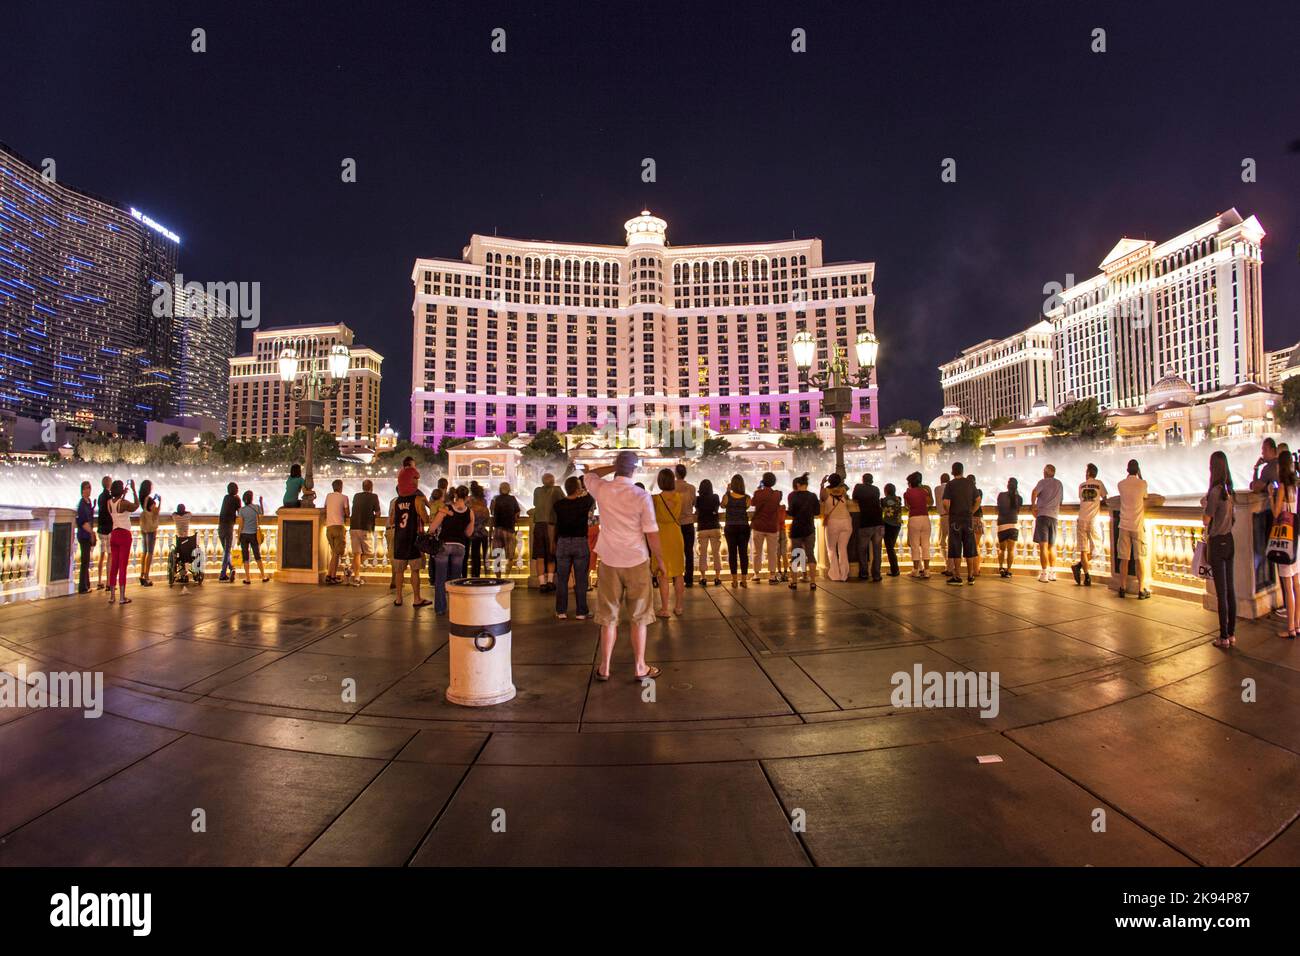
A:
(79, 339)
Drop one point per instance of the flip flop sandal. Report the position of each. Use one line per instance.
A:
(422, 603)
(651, 673)
(601, 677)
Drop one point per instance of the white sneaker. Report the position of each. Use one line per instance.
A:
(1051, 575)
(1042, 577)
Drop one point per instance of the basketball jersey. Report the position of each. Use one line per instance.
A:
(406, 519)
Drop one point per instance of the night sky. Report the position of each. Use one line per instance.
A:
(1059, 151)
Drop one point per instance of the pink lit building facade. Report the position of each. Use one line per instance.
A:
(517, 335)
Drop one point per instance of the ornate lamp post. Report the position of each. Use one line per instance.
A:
(835, 381)
(314, 376)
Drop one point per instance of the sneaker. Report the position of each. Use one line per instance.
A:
(561, 617)
(1087, 579)
(1120, 592)
(1042, 577)
(1144, 595)
(970, 580)
(717, 582)
(955, 580)
(1051, 576)
(1077, 570)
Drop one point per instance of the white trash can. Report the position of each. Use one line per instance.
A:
(479, 638)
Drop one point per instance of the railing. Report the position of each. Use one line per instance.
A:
(29, 567)
(20, 548)
(375, 566)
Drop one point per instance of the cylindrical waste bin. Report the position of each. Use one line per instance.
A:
(479, 612)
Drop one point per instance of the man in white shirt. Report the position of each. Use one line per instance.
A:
(1133, 501)
(1091, 494)
(336, 516)
(628, 547)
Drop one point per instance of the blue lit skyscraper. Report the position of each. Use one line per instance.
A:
(79, 340)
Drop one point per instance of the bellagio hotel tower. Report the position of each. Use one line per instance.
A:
(519, 335)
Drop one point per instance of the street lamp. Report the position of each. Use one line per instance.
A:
(836, 382)
(314, 376)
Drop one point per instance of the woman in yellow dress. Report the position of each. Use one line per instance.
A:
(668, 509)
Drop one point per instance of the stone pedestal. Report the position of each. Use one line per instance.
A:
(57, 550)
(300, 547)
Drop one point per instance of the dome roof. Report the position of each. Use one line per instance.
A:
(949, 422)
(1172, 387)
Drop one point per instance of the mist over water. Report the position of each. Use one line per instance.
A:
(1180, 474)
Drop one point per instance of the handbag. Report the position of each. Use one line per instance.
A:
(1201, 559)
(428, 543)
(1281, 541)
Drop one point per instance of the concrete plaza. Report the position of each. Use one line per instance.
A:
(772, 705)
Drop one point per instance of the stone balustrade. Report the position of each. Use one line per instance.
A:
(32, 551)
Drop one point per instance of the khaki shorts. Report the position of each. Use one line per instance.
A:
(361, 542)
(336, 535)
(1130, 541)
(625, 593)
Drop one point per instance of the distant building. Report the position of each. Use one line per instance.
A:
(81, 340)
(1001, 378)
(523, 335)
(203, 343)
(1282, 365)
(1175, 417)
(261, 405)
(186, 427)
(1192, 304)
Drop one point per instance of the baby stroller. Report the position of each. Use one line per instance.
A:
(185, 562)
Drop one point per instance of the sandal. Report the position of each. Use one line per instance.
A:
(423, 602)
(601, 677)
(652, 673)
(124, 600)
(1222, 642)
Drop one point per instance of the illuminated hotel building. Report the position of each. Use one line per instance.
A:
(1191, 305)
(262, 405)
(203, 343)
(519, 335)
(79, 342)
(1001, 378)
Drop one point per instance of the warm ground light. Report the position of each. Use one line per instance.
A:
(771, 702)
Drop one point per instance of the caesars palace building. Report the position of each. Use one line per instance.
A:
(518, 335)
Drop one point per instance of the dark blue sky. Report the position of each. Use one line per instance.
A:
(1060, 151)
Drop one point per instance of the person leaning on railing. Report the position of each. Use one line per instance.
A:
(85, 535)
(1220, 512)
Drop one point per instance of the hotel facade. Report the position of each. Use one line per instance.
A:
(1191, 306)
(262, 405)
(1001, 378)
(81, 341)
(520, 335)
